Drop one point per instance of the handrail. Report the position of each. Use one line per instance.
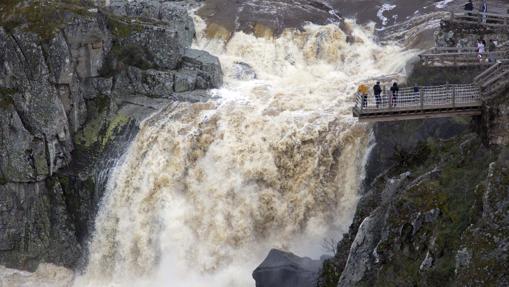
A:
(427, 98)
(487, 71)
(498, 52)
(487, 19)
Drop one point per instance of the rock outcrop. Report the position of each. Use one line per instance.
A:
(285, 269)
(75, 82)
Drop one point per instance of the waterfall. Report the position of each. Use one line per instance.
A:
(206, 189)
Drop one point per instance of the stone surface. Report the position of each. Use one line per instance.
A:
(285, 269)
(71, 99)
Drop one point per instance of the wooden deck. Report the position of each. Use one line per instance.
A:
(461, 56)
(429, 102)
(494, 79)
(490, 20)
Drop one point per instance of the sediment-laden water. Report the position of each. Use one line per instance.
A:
(206, 189)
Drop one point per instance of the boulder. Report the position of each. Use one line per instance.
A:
(243, 71)
(284, 269)
(207, 66)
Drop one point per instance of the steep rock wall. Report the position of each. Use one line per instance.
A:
(75, 82)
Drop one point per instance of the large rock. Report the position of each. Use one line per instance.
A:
(285, 269)
(71, 100)
(174, 16)
(36, 100)
(150, 83)
(207, 66)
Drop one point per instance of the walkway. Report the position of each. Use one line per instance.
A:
(436, 101)
(485, 19)
(429, 102)
(459, 56)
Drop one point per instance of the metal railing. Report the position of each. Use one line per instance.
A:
(427, 98)
(486, 19)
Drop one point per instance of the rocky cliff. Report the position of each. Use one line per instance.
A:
(76, 79)
(434, 209)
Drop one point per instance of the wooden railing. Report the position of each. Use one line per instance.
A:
(427, 98)
(494, 79)
(486, 19)
(461, 56)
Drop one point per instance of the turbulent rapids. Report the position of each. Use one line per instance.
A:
(206, 189)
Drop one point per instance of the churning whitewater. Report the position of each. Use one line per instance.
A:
(275, 161)
(207, 188)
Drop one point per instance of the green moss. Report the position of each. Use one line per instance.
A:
(102, 103)
(114, 127)
(123, 27)
(90, 134)
(457, 191)
(44, 18)
(329, 273)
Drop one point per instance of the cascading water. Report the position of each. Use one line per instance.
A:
(206, 189)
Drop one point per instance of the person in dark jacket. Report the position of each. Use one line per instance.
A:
(469, 7)
(377, 90)
(417, 94)
(484, 9)
(394, 91)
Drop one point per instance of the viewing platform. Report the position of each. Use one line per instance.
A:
(429, 102)
(492, 20)
(435, 101)
(460, 57)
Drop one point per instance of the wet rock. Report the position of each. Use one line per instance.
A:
(192, 96)
(285, 269)
(243, 71)
(185, 81)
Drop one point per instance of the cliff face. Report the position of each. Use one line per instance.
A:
(434, 209)
(75, 82)
(438, 217)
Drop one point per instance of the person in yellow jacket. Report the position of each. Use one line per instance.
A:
(363, 92)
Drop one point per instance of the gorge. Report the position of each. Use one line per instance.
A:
(159, 143)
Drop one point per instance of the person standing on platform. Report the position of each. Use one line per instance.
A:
(362, 91)
(484, 9)
(469, 7)
(377, 90)
(394, 92)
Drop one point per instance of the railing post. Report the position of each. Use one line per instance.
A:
(421, 95)
(384, 95)
(453, 97)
